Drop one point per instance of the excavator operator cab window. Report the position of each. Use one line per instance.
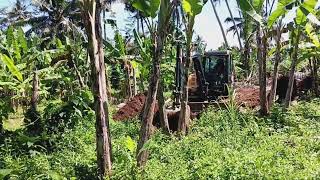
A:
(214, 68)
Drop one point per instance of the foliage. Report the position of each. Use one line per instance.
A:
(285, 145)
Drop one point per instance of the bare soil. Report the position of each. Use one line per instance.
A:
(131, 109)
(248, 96)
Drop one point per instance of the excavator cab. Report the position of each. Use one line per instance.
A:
(211, 74)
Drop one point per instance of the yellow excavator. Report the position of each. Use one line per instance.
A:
(212, 73)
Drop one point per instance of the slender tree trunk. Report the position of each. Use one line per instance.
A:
(134, 81)
(80, 79)
(127, 68)
(315, 76)
(273, 92)
(261, 56)
(104, 24)
(159, 39)
(162, 110)
(264, 99)
(247, 58)
(141, 85)
(138, 22)
(184, 116)
(1, 130)
(292, 70)
(148, 113)
(234, 24)
(220, 24)
(91, 10)
(35, 91)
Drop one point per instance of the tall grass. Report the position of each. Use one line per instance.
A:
(285, 145)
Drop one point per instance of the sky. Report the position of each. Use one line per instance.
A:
(206, 24)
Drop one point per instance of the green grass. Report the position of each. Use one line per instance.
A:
(219, 145)
(15, 121)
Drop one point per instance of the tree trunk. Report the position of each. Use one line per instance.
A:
(35, 91)
(247, 58)
(134, 81)
(162, 110)
(315, 76)
(159, 39)
(127, 69)
(91, 11)
(273, 92)
(220, 24)
(141, 85)
(148, 113)
(235, 25)
(292, 70)
(80, 79)
(261, 56)
(184, 116)
(104, 24)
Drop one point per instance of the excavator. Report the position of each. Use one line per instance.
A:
(212, 74)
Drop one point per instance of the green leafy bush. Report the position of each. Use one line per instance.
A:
(285, 145)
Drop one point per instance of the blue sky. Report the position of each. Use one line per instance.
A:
(206, 23)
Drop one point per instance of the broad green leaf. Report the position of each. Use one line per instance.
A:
(139, 42)
(192, 7)
(10, 36)
(312, 35)
(58, 43)
(275, 15)
(120, 45)
(22, 40)
(130, 144)
(247, 7)
(304, 10)
(280, 10)
(12, 68)
(147, 7)
(4, 173)
(257, 5)
(254, 15)
(309, 5)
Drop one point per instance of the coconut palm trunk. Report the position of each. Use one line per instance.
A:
(91, 10)
(220, 24)
(234, 24)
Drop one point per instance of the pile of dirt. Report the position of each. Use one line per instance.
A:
(131, 109)
(248, 96)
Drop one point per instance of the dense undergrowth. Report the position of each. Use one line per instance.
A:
(220, 145)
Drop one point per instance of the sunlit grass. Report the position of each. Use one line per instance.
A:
(15, 121)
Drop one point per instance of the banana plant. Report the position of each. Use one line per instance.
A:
(191, 8)
(303, 8)
(163, 10)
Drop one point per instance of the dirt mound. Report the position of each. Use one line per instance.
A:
(248, 96)
(131, 109)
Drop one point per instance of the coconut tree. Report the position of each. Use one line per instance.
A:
(234, 24)
(213, 4)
